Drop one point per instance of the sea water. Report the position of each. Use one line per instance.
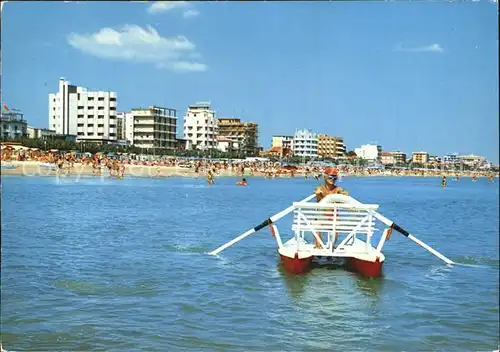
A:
(93, 264)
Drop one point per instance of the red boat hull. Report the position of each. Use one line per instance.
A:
(365, 268)
(296, 265)
(362, 267)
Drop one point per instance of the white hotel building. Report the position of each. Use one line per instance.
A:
(369, 152)
(305, 143)
(91, 116)
(200, 127)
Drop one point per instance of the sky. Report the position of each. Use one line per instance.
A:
(410, 76)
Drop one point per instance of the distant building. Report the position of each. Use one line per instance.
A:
(331, 147)
(386, 158)
(91, 116)
(244, 135)
(305, 143)
(282, 142)
(154, 127)
(40, 133)
(369, 152)
(473, 160)
(226, 145)
(126, 121)
(200, 127)
(399, 157)
(13, 125)
(434, 159)
(420, 157)
(277, 152)
(451, 159)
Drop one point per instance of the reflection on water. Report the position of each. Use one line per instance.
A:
(295, 284)
(370, 286)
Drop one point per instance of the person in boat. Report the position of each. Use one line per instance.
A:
(329, 187)
(243, 182)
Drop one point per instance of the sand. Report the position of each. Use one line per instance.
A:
(35, 168)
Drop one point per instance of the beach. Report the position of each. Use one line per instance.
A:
(36, 168)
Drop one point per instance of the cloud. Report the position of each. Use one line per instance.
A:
(190, 13)
(141, 45)
(164, 6)
(433, 48)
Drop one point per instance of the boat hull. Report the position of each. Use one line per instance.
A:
(296, 265)
(366, 268)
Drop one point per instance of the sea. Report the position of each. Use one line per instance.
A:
(101, 264)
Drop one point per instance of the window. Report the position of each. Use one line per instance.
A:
(80, 133)
(100, 125)
(100, 108)
(112, 126)
(78, 96)
(112, 108)
(91, 98)
(112, 99)
(112, 134)
(80, 107)
(80, 116)
(90, 107)
(90, 125)
(100, 134)
(100, 99)
(90, 116)
(100, 116)
(90, 133)
(80, 125)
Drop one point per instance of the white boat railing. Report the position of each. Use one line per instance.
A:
(334, 214)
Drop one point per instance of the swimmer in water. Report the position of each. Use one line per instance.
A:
(243, 182)
(210, 177)
(443, 182)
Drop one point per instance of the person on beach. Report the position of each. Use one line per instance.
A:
(122, 170)
(329, 187)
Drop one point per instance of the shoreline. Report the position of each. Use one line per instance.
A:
(34, 168)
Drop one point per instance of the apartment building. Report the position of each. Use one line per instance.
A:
(200, 127)
(153, 127)
(399, 157)
(369, 152)
(330, 147)
(451, 159)
(244, 135)
(420, 157)
(282, 142)
(386, 158)
(90, 115)
(305, 143)
(40, 133)
(13, 125)
(473, 160)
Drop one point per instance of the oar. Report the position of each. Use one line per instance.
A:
(402, 231)
(265, 223)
